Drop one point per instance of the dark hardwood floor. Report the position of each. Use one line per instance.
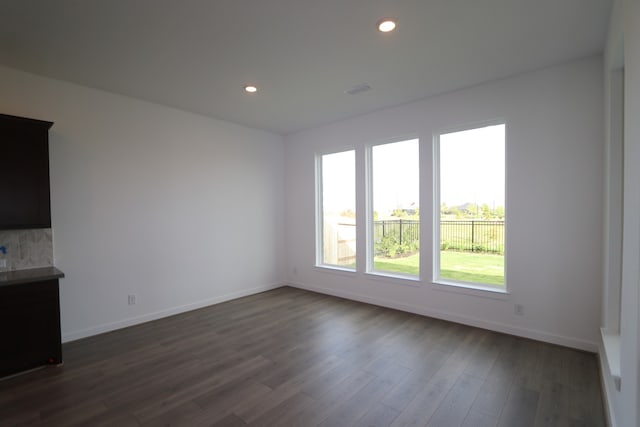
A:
(294, 358)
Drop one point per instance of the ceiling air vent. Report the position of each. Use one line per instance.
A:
(362, 87)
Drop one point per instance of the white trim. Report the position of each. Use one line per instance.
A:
(472, 125)
(369, 208)
(319, 200)
(607, 391)
(436, 279)
(319, 210)
(613, 199)
(534, 334)
(396, 278)
(611, 346)
(107, 327)
(471, 289)
(335, 269)
(435, 270)
(369, 224)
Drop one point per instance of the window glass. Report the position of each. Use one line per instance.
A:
(395, 213)
(337, 213)
(471, 207)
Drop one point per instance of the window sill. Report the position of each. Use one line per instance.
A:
(470, 289)
(396, 278)
(335, 270)
(611, 344)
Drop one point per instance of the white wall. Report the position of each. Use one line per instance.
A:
(624, 404)
(180, 209)
(554, 203)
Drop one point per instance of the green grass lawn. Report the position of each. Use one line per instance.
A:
(462, 266)
(472, 267)
(404, 265)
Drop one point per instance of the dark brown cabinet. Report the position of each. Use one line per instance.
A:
(24, 169)
(29, 326)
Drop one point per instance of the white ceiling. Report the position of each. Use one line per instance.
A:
(197, 55)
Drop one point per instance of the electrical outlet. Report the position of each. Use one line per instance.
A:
(132, 299)
(518, 309)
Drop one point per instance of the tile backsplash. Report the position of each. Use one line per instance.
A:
(27, 248)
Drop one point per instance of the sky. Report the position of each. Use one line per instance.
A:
(471, 171)
(338, 181)
(472, 166)
(396, 176)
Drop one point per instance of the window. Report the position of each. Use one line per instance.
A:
(614, 193)
(394, 209)
(470, 207)
(336, 228)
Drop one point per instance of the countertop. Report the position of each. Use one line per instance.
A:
(15, 277)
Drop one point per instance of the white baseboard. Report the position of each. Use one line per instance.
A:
(465, 320)
(607, 390)
(107, 327)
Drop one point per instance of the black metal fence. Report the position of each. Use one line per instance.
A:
(396, 237)
(472, 236)
(463, 235)
(402, 230)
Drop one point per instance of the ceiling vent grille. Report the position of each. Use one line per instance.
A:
(362, 87)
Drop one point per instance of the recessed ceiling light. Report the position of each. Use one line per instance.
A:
(251, 89)
(386, 25)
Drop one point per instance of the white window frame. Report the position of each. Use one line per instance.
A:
(614, 190)
(319, 228)
(614, 220)
(369, 210)
(448, 283)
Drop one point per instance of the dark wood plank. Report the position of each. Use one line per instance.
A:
(494, 392)
(350, 411)
(323, 406)
(424, 405)
(521, 408)
(553, 405)
(380, 415)
(492, 396)
(453, 410)
(251, 411)
(175, 397)
(412, 384)
(478, 419)
(229, 421)
(289, 357)
(293, 404)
